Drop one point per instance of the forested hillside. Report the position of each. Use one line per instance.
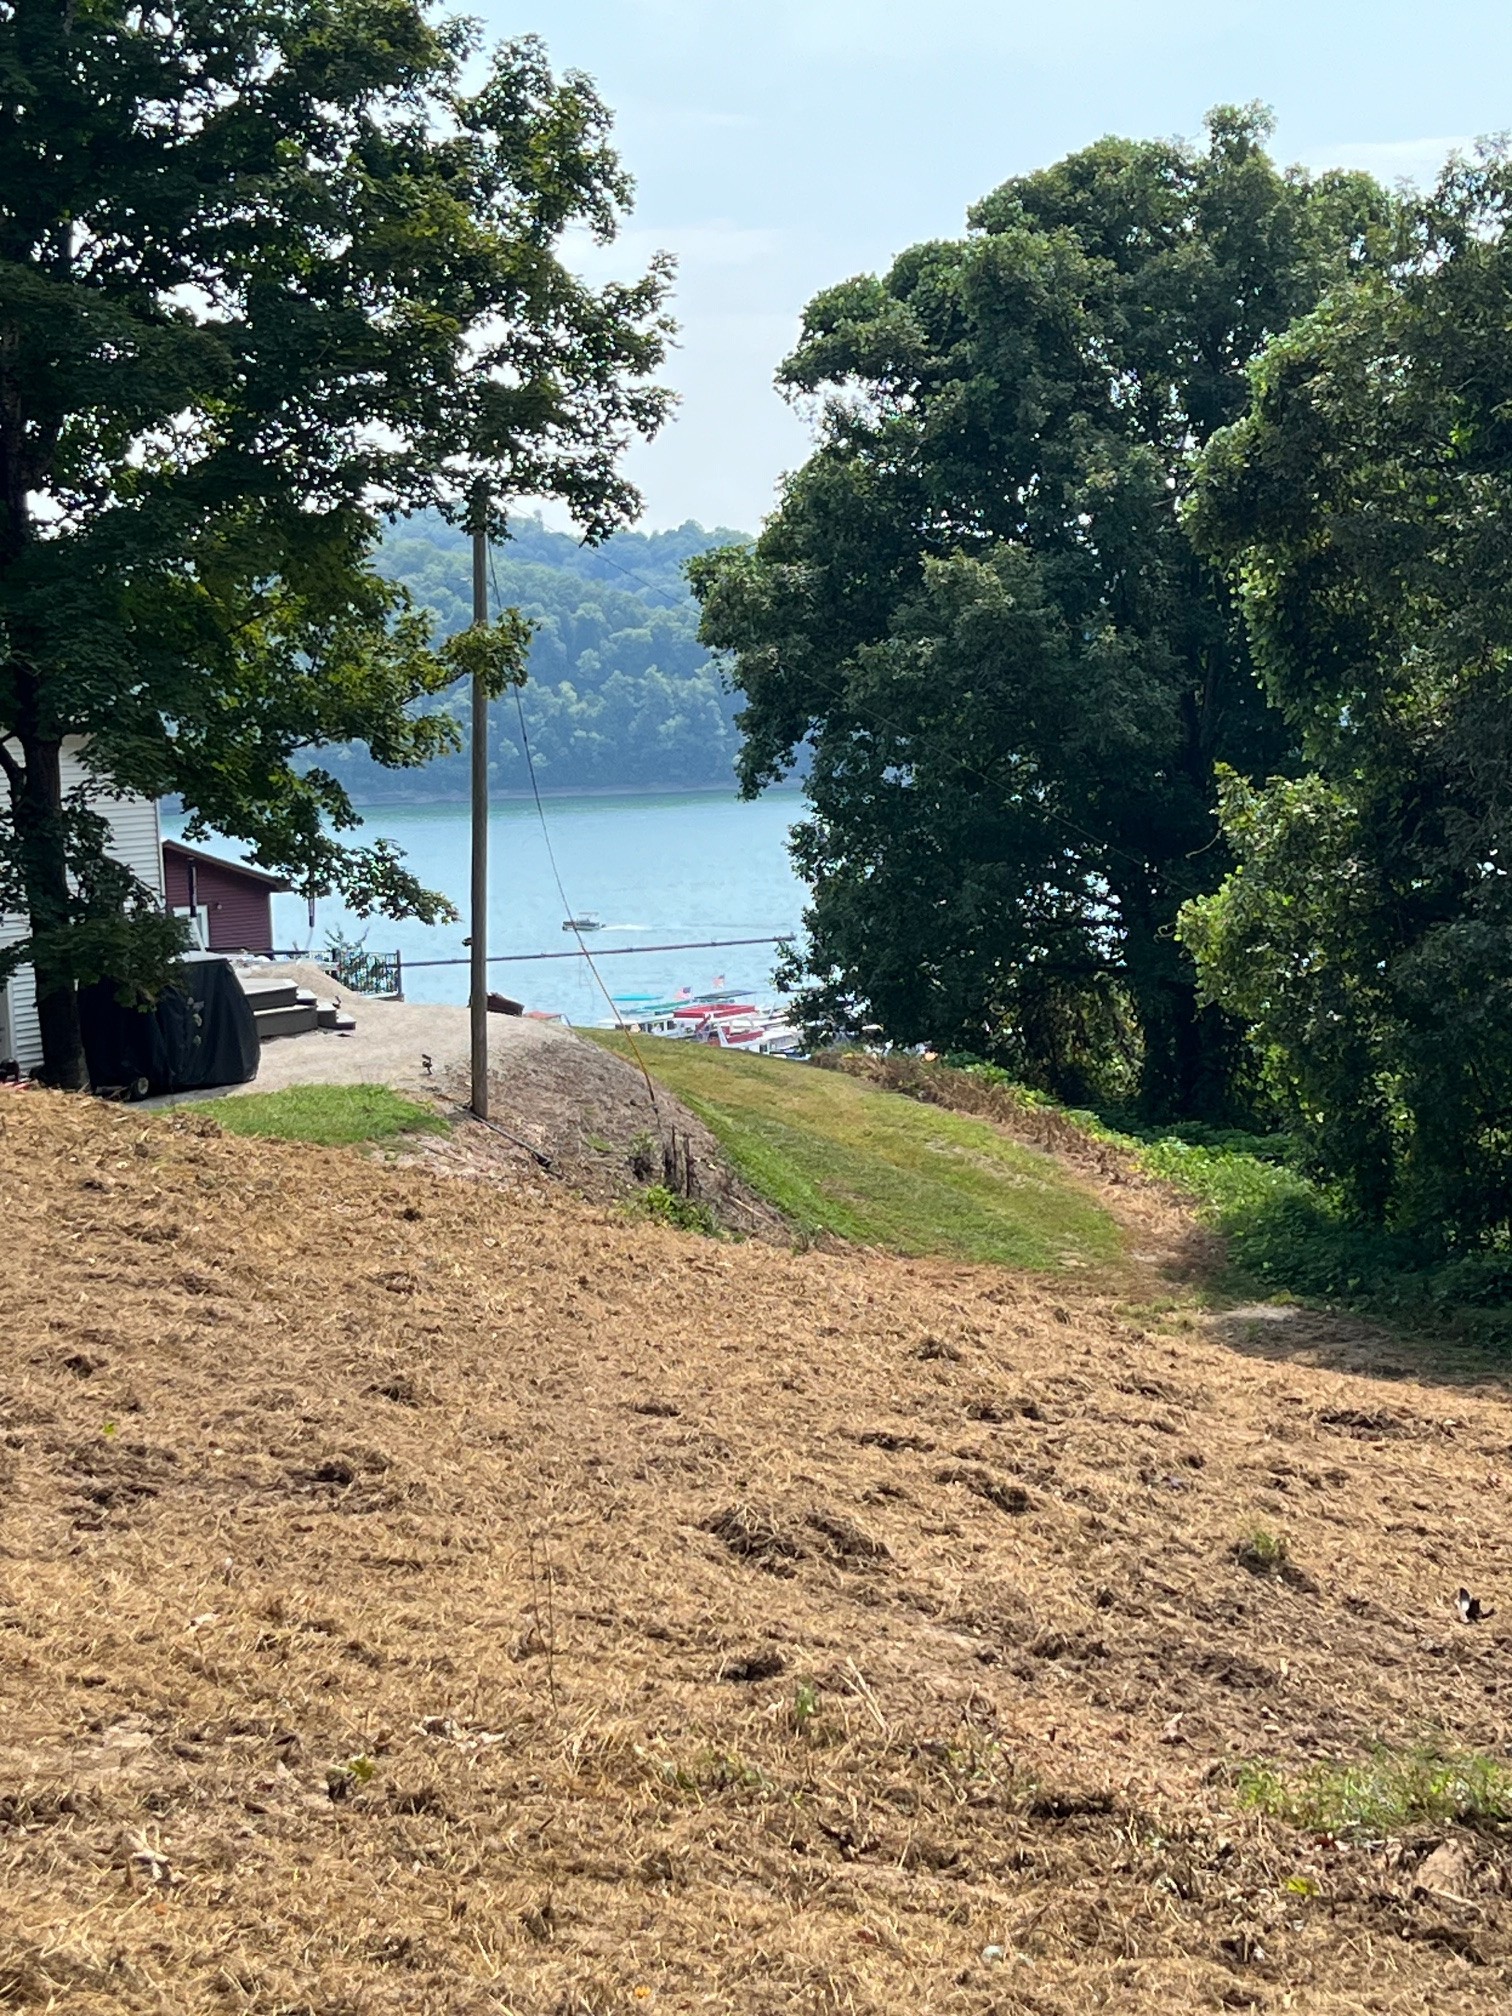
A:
(620, 693)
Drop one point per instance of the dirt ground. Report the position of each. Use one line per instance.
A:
(391, 1041)
(421, 1597)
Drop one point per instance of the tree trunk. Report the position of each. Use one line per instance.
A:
(38, 806)
(1189, 1051)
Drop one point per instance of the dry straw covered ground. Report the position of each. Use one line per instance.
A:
(420, 1597)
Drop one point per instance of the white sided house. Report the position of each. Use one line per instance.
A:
(137, 841)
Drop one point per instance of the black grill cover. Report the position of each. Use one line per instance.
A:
(201, 1033)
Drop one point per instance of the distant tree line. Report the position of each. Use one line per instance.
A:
(619, 693)
(1145, 614)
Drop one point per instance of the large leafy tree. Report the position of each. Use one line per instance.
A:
(271, 271)
(979, 607)
(1363, 504)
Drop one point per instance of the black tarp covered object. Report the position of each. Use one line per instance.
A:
(202, 1032)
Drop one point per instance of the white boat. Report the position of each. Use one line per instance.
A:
(587, 922)
(649, 1018)
(755, 1034)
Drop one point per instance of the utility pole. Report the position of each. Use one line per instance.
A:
(478, 998)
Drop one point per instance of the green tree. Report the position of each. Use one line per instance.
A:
(1362, 504)
(270, 274)
(979, 607)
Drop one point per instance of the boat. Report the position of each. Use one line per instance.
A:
(760, 1032)
(648, 1018)
(721, 1019)
(587, 922)
(756, 1036)
(695, 1014)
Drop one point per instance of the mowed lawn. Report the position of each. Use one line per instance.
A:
(877, 1168)
(331, 1116)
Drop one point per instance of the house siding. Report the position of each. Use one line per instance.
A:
(238, 909)
(136, 840)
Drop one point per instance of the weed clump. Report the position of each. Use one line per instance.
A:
(1263, 1552)
(664, 1207)
(1391, 1792)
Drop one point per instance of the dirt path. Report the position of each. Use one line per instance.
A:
(1174, 1264)
(392, 1040)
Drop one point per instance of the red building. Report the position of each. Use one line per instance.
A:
(231, 907)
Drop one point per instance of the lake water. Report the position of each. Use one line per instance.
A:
(655, 870)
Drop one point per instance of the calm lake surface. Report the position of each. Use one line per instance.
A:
(656, 870)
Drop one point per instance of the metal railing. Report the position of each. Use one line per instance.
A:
(380, 974)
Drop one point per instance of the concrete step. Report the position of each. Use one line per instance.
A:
(296, 1018)
(329, 1016)
(271, 994)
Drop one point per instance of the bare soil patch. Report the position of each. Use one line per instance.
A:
(416, 1596)
(607, 1134)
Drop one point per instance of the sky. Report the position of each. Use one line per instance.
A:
(780, 146)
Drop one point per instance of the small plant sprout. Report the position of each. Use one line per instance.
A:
(341, 1778)
(805, 1705)
(1263, 1552)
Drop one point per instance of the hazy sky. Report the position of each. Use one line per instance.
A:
(781, 145)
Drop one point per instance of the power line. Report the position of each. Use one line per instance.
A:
(606, 952)
(535, 792)
(651, 587)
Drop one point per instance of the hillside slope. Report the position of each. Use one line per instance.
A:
(418, 1598)
(838, 1157)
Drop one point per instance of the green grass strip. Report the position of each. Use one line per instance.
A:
(1390, 1792)
(331, 1116)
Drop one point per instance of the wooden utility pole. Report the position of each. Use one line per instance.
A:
(478, 998)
